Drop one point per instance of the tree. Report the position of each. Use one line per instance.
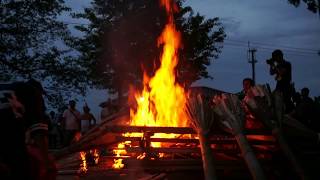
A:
(31, 46)
(120, 42)
(312, 5)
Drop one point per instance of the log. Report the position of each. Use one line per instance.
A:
(131, 129)
(88, 137)
(69, 172)
(154, 176)
(196, 141)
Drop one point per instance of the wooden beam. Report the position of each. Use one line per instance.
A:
(131, 129)
(184, 150)
(174, 130)
(213, 140)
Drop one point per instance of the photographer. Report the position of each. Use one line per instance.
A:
(282, 70)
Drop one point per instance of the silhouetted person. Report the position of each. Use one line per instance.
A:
(316, 120)
(305, 110)
(247, 83)
(251, 121)
(86, 119)
(23, 133)
(283, 75)
(71, 121)
(296, 99)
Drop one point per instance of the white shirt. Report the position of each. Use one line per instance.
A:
(71, 119)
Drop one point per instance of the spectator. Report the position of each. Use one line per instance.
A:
(316, 122)
(296, 99)
(305, 110)
(71, 121)
(251, 121)
(86, 119)
(23, 133)
(247, 83)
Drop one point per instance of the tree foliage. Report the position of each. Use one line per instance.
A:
(31, 46)
(312, 5)
(120, 42)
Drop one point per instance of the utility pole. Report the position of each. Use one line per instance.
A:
(252, 60)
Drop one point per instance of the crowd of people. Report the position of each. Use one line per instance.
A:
(64, 128)
(26, 127)
(298, 104)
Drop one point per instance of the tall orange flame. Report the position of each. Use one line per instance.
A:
(162, 99)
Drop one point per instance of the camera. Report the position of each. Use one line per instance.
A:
(270, 61)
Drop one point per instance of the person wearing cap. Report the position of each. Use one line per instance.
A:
(283, 75)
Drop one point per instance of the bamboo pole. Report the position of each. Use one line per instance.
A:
(201, 117)
(269, 108)
(232, 118)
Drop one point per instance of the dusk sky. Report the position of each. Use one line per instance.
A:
(268, 25)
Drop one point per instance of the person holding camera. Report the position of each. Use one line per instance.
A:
(283, 75)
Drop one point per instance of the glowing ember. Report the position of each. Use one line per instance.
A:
(120, 151)
(96, 156)
(117, 164)
(83, 167)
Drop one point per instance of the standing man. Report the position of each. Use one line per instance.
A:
(283, 75)
(71, 118)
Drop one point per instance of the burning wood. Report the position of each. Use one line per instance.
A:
(83, 167)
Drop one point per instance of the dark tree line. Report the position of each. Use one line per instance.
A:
(312, 5)
(118, 44)
(31, 46)
(121, 41)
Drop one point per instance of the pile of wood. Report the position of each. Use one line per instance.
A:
(232, 147)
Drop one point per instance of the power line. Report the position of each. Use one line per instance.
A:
(273, 45)
(292, 52)
(236, 41)
(239, 43)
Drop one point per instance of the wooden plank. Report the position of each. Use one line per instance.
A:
(69, 172)
(175, 130)
(178, 140)
(184, 164)
(184, 150)
(131, 129)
